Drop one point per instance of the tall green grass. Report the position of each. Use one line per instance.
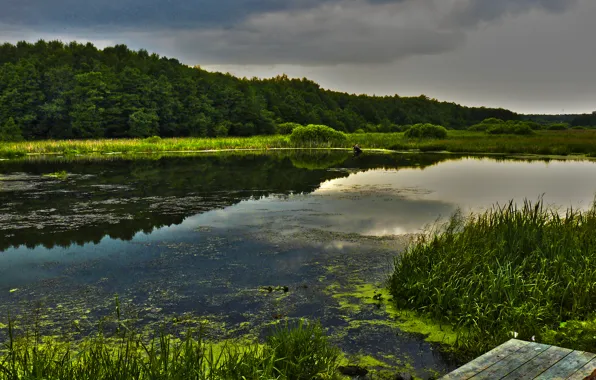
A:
(300, 352)
(511, 271)
(543, 142)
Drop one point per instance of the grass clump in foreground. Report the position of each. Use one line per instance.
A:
(291, 353)
(527, 270)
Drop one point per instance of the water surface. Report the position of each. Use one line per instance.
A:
(196, 238)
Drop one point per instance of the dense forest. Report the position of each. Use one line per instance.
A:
(51, 90)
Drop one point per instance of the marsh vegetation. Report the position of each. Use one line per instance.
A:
(514, 270)
(300, 351)
(564, 143)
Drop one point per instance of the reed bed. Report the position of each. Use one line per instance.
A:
(527, 271)
(543, 143)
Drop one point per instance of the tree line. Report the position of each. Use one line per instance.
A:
(52, 90)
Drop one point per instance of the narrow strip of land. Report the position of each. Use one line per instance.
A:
(557, 143)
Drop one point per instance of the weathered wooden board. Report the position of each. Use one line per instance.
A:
(567, 366)
(512, 362)
(540, 364)
(520, 360)
(482, 362)
(584, 371)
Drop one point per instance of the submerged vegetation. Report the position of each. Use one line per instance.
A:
(59, 175)
(512, 271)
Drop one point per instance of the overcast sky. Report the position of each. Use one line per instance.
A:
(530, 56)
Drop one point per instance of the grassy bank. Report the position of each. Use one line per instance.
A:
(543, 143)
(299, 352)
(523, 271)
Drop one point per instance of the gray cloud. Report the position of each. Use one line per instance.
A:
(472, 12)
(306, 32)
(166, 14)
(373, 31)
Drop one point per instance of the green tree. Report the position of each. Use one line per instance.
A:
(10, 131)
(143, 123)
(53, 90)
(221, 130)
(88, 98)
(21, 96)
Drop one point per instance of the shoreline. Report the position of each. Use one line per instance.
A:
(549, 145)
(571, 157)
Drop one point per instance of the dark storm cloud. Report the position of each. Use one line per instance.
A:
(310, 32)
(140, 13)
(206, 13)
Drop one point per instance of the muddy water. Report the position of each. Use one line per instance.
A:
(198, 239)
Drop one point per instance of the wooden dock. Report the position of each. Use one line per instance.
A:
(518, 359)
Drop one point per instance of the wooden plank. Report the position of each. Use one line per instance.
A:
(584, 371)
(567, 366)
(512, 362)
(482, 362)
(539, 364)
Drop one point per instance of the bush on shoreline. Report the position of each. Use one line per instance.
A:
(426, 131)
(317, 135)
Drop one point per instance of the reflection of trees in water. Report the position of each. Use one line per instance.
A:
(142, 194)
(315, 160)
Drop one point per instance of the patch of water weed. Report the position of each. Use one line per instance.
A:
(356, 296)
(513, 270)
(58, 175)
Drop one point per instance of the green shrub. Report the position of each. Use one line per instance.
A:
(428, 131)
(512, 128)
(359, 130)
(535, 126)
(486, 124)
(152, 140)
(317, 134)
(578, 128)
(558, 127)
(492, 120)
(286, 128)
(479, 127)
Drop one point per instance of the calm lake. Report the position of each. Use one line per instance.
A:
(196, 239)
